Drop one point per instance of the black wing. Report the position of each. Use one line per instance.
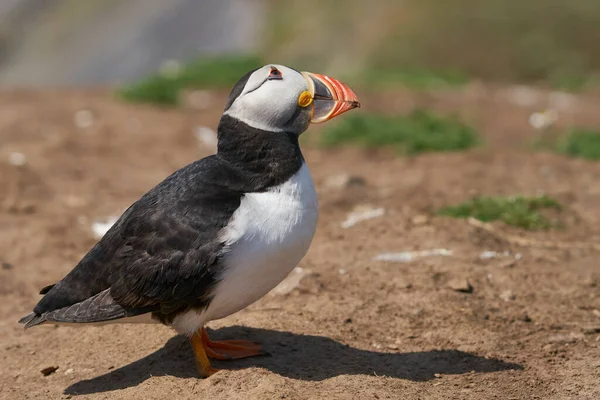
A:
(160, 256)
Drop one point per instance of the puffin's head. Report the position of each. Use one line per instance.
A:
(280, 99)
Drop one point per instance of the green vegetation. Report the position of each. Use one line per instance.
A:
(519, 211)
(574, 142)
(582, 143)
(164, 87)
(551, 42)
(421, 131)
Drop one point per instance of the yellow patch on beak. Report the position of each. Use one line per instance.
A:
(305, 99)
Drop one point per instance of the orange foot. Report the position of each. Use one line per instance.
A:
(221, 350)
(230, 349)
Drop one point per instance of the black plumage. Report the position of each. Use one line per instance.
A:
(162, 255)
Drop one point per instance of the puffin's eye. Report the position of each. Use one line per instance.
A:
(275, 74)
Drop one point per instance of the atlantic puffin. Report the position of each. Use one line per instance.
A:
(216, 235)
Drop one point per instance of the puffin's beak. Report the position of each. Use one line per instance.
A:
(330, 96)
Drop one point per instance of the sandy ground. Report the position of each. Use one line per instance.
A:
(528, 327)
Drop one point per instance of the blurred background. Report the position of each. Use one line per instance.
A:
(459, 229)
(71, 42)
(550, 42)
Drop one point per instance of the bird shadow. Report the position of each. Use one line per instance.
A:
(302, 357)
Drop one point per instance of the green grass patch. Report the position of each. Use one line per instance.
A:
(581, 143)
(164, 87)
(421, 131)
(519, 211)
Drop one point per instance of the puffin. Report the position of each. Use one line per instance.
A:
(216, 235)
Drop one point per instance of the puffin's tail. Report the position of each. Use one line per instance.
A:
(32, 319)
(98, 308)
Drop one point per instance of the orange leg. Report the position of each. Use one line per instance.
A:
(202, 362)
(230, 349)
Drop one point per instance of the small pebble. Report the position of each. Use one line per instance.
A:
(525, 318)
(100, 227)
(507, 295)
(488, 254)
(362, 214)
(83, 119)
(460, 285)
(17, 159)
(591, 329)
(563, 338)
(420, 219)
(48, 370)
(408, 256)
(206, 135)
(542, 120)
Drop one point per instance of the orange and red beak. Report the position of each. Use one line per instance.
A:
(330, 97)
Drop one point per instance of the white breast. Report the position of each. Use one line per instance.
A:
(266, 238)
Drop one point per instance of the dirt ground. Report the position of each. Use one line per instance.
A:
(525, 326)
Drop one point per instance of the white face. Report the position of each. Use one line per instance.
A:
(269, 100)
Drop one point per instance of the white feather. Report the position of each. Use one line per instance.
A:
(188, 322)
(265, 239)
